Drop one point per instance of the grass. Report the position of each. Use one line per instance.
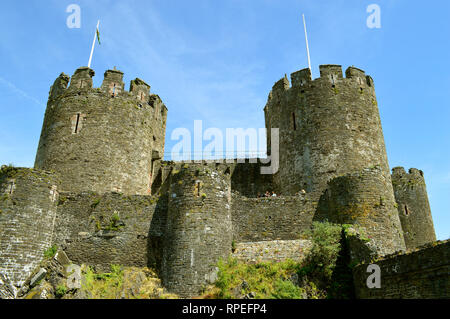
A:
(103, 285)
(121, 280)
(60, 291)
(267, 280)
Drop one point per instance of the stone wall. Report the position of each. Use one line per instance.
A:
(271, 218)
(423, 273)
(247, 180)
(28, 200)
(100, 230)
(103, 139)
(272, 250)
(413, 207)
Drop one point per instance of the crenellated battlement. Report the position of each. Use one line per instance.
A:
(112, 86)
(399, 173)
(331, 77)
(331, 71)
(301, 78)
(82, 79)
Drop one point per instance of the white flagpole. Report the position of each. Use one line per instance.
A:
(306, 38)
(93, 44)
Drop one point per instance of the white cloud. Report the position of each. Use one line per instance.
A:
(18, 91)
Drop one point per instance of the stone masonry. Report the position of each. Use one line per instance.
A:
(101, 191)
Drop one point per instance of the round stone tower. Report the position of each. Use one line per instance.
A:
(102, 139)
(328, 127)
(198, 231)
(365, 198)
(28, 200)
(413, 207)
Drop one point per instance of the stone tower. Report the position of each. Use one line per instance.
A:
(365, 198)
(198, 231)
(102, 139)
(28, 203)
(329, 126)
(413, 207)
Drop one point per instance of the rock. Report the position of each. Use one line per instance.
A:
(62, 258)
(250, 295)
(244, 285)
(39, 276)
(294, 279)
(7, 290)
(84, 235)
(42, 291)
(78, 294)
(133, 281)
(74, 277)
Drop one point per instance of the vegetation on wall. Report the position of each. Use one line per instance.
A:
(325, 272)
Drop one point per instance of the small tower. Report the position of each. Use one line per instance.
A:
(198, 231)
(28, 200)
(413, 207)
(104, 139)
(365, 198)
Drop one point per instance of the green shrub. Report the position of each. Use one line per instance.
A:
(265, 280)
(103, 285)
(285, 289)
(60, 291)
(51, 251)
(326, 245)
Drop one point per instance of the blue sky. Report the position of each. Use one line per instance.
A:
(216, 61)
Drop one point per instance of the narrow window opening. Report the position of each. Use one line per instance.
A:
(406, 210)
(197, 188)
(11, 188)
(142, 96)
(114, 90)
(81, 84)
(150, 178)
(293, 122)
(333, 80)
(77, 123)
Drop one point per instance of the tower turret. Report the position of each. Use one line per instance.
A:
(364, 198)
(102, 139)
(28, 200)
(413, 207)
(329, 126)
(198, 231)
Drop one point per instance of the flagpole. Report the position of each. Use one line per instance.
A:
(93, 44)
(307, 47)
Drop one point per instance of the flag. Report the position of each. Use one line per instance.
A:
(98, 36)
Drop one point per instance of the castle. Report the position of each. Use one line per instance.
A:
(101, 190)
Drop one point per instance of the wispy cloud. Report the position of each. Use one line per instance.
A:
(19, 92)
